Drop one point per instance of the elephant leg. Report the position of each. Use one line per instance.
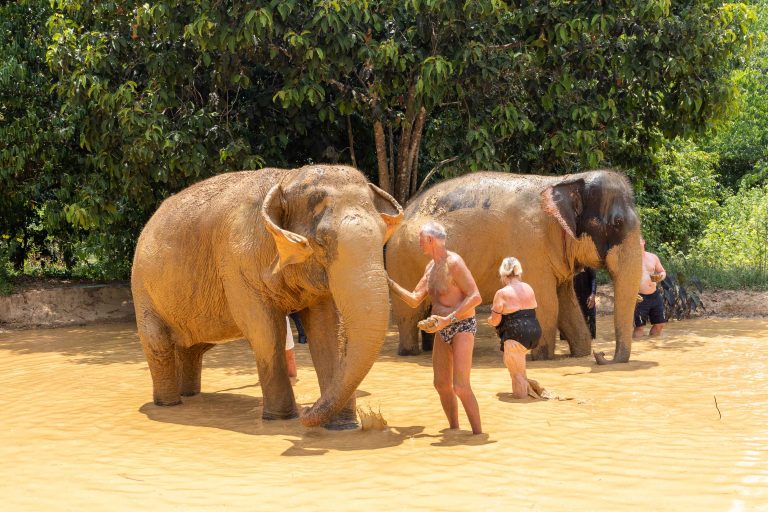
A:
(427, 338)
(570, 321)
(547, 313)
(159, 349)
(406, 319)
(320, 323)
(189, 361)
(265, 329)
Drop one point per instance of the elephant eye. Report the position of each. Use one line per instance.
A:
(618, 221)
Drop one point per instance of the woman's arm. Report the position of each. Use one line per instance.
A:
(497, 308)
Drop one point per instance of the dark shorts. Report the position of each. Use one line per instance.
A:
(466, 325)
(521, 326)
(651, 308)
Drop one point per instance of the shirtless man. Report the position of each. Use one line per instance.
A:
(454, 295)
(652, 305)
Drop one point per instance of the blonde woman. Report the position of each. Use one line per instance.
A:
(514, 315)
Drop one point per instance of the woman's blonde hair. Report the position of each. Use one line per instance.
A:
(510, 267)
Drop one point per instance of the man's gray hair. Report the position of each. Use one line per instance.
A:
(434, 229)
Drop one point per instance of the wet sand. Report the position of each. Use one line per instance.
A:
(79, 431)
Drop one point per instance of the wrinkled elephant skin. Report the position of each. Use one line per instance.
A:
(231, 256)
(553, 225)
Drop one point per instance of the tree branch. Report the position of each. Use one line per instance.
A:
(432, 173)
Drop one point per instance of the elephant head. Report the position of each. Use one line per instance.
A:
(596, 212)
(329, 229)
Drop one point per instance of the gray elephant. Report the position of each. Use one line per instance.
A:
(553, 225)
(230, 256)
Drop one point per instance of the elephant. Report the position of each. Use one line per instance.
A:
(554, 225)
(231, 256)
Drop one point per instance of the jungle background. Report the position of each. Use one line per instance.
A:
(107, 108)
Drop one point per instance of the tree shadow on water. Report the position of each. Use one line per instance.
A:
(242, 414)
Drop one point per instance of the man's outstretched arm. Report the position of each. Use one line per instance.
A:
(413, 298)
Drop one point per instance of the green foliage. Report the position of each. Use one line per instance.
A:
(738, 237)
(742, 141)
(680, 201)
(6, 288)
(37, 145)
(109, 107)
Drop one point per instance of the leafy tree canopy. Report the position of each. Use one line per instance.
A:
(160, 94)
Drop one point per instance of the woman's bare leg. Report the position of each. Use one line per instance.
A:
(463, 345)
(442, 366)
(514, 360)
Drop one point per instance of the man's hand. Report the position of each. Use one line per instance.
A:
(591, 301)
(434, 323)
(442, 322)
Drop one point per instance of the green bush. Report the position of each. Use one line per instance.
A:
(680, 201)
(5, 279)
(732, 252)
(738, 237)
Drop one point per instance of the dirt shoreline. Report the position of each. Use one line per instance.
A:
(59, 303)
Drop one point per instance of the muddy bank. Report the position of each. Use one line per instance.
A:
(55, 304)
(42, 305)
(717, 303)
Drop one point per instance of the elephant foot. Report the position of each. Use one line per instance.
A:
(345, 424)
(406, 351)
(270, 416)
(167, 403)
(600, 358)
(539, 355)
(580, 351)
(190, 393)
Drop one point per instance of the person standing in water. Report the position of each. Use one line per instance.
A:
(454, 296)
(514, 315)
(585, 286)
(651, 307)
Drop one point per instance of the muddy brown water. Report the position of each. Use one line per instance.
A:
(79, 431)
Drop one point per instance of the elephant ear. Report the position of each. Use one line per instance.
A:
(292, 248)
(564, 202)
(390, 210)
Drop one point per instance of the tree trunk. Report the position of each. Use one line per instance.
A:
(413, 156)
(381, 155)
(351, 142)
(392, 172)
(409, 144)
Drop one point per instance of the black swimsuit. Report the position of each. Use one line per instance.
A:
(521, 326)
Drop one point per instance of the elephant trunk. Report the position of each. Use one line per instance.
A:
(624, 262)
(358, 283)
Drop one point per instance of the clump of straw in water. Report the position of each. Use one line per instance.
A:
(371, 420)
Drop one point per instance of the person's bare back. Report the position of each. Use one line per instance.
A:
(516, 295)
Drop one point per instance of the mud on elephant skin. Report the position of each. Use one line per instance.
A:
(231, 256)
(553, 224)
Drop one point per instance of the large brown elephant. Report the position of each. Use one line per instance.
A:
(230, 256)
(553, 225)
